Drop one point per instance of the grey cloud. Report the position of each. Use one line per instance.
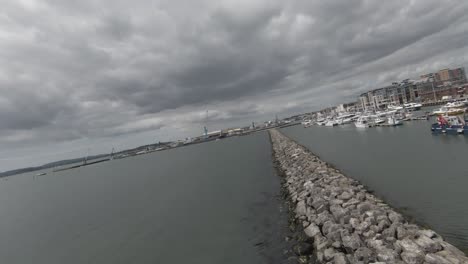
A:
(90, 69)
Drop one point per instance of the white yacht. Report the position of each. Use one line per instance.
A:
(455, 105)
(306, 123)
(345, 118)
(413, 106)
(362, 122)
(394, 107)
(348, 120)
(393, 121)
(379, 120)
(321, 121)
(331, 123)
(449, 111)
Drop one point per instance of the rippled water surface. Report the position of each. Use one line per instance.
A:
(424, 175)
(210, 203)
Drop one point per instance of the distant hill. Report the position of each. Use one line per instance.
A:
(71, 161)
(49, 165)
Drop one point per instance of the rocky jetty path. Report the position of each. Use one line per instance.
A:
(345, 222)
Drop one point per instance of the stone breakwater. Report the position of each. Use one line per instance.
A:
(345, 222)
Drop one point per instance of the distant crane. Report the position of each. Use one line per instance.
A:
(205, 130)
(85, 160)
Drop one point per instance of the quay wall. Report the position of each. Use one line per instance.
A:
(346, 223)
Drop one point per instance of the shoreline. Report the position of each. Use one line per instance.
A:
(344, 221)
(300, 248)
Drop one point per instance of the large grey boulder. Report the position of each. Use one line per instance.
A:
(435, 259)
(301, 208)
(453, 250)
(352, 201)
(364, 254)
(389, 232)
(411, 257)
(409, 246)
(386, 255)
(312, 230)
(429, 233)
(345, 196)
(329, 253)
(428, 245)
(351, 242)
(322, 218)
(329, 226)
(338, 212)
(395, 217)
(340, 258)
(354, 222)
(364, 207)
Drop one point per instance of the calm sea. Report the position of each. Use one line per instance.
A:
(210, 203)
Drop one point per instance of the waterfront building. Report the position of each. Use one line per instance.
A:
(430, 87)
(454, 76)
(444, 75)
(425, 88)
(458, 75)
(402, 92)
(432, 91)
(364, 101)
(380, 97)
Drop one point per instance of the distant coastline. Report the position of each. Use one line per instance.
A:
(49, 165)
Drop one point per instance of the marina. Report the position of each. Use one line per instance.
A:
(449, 118)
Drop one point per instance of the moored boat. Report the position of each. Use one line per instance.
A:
(379, 120)
(306, 123)
(320, 122)
(455, 105)
(450, 125)
(393, 121)
(413, 106)
(449, 111)
(465, 102)
(331, 123)
(362, 122)
(345, 118)
(394, 107)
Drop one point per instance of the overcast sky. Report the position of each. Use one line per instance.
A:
(100, 74)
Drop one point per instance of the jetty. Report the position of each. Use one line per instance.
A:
(344, 222)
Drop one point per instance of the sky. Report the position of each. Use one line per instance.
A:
(86, 76)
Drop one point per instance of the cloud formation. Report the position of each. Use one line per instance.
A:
(95, 70)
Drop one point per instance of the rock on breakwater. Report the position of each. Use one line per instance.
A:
(346, 222)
